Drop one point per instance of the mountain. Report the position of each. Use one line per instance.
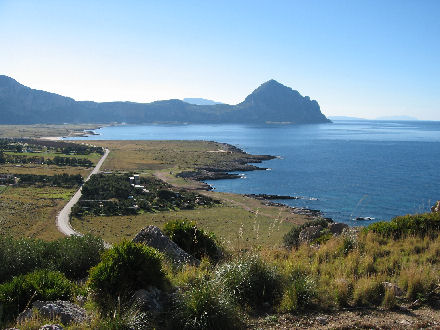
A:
(271, 102)
(200, 101)
(392, 118)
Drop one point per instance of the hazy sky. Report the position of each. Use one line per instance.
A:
(359, 58)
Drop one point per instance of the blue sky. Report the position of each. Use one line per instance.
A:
(360, 58)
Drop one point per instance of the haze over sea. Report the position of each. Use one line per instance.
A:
(348, 169)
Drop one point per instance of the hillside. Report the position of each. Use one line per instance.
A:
(271, 102)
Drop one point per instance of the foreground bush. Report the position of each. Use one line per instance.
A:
(418, 224)
(73, 255)
(22, 290)
(124, 269)
(250, 281)
(205, 306)
(193, 240)
(299, 291)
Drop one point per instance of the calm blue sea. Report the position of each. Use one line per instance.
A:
(347, 169)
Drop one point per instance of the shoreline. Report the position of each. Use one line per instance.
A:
(221, 171)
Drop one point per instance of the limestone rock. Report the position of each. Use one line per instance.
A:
(337, 228)
(66, 311)
(393, 287)
(51, 327)
(150, 300)
(153, 236)
(436, 207)
(310, 233)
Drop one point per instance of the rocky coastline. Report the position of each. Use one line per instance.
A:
(244, 163)
(222, 169)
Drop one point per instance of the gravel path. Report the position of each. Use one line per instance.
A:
(63, 218)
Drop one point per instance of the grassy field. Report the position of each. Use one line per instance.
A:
(161, 155)
(34, 131)
(240, 221)
(94, 158)
(31, 212)
(43, 169)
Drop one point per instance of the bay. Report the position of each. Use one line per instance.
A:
(347, 169)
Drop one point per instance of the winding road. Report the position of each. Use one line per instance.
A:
(63, 218)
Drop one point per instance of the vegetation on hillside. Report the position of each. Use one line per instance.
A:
(371, 269)
(193, 240)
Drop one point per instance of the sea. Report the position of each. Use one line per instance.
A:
(348, 170)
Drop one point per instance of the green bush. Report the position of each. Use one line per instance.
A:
(124, 269)
(22, 290)
(418, 224)
(291, 239)
(250, 281)
(73, 255)
(299, 292)
(193, 240)
(205, 306)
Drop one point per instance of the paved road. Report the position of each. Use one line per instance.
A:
(63, 218)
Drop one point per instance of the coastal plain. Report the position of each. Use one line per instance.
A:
(240, 221)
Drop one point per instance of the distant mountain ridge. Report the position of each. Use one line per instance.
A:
(270, 102)
(397, 118)
(200, 101)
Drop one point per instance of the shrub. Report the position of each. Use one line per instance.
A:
(418, 224)
(298, 293)
(291, 239)
(250, 281)
(368, 291)
(389, 300)
(124, 269)
(205, 306)
(343, 291)
(418, 282)
(193, 240)
(22, 290)
(73, 255)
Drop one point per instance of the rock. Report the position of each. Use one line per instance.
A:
(436, 207)
(66, 311)
(51, 327)
(337, 228)
(391, 286)
(150, 300)
(323, 320)
(81, 300)
(153, 236)
(310, 233)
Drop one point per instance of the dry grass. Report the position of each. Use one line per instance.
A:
(31, 212)
(43, 169)
(173, 156)
(238, 227)
(33, 131)
(355, 276)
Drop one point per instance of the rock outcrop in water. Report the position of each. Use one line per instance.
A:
(271, 102)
